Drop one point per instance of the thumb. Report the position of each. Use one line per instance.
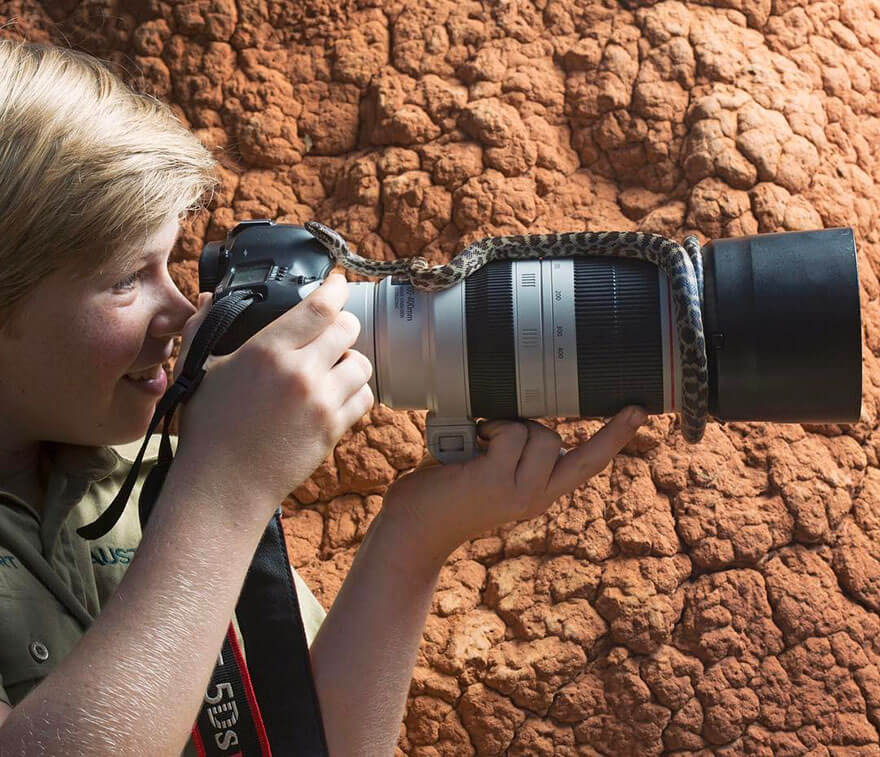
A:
(590, 458)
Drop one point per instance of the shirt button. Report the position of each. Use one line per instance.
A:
(38, 651)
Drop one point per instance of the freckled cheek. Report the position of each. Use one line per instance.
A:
(111, 353)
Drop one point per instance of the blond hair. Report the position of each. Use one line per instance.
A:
(89, 168)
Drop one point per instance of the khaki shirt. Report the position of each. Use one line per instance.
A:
(53, 583)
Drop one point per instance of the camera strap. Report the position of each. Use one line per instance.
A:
(248, 709)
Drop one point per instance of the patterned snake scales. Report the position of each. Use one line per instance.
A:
(683, 264)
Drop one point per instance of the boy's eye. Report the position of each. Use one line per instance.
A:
(128, 281)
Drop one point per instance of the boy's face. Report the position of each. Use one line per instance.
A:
(63, 377)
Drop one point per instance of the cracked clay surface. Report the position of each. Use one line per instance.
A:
(719, 598)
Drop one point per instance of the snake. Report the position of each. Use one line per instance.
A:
(682, 264)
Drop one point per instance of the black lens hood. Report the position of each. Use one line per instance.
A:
(783, 327)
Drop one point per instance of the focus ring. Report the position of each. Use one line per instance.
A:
(491, 353)
(619, 344)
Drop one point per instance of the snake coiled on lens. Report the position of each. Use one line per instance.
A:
(682, 264)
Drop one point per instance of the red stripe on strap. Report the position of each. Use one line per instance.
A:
(197, 740)
(256, 715)
(672, 355)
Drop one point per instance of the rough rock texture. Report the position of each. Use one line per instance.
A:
(722, 598)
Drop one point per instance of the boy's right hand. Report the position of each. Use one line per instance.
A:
(267, 415)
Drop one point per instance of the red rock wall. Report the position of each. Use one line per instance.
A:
(722, 598)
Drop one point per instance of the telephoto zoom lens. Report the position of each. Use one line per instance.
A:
(585, 336)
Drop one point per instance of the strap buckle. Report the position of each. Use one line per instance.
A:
(189, 384)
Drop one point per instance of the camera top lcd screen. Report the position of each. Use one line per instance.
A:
(255, 274)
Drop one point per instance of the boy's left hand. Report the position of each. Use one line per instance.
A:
(525, 470)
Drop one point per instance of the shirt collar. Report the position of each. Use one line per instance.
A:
(80, 461)
(72, 468)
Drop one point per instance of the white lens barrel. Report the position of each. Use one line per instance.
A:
(361, 303)
(417, 342)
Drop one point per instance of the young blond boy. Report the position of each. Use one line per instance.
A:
(107, 647)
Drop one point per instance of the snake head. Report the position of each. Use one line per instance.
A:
(331, 239)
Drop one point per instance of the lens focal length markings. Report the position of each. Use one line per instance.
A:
(529, 333)
(559, 302)
(546, 340)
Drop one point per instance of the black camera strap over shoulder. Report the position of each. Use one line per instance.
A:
(247, 709)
